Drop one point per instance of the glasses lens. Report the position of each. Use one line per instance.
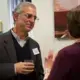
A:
(30, 16)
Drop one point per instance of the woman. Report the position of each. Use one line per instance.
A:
(67, 62)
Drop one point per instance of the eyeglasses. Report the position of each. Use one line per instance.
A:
(30, 16)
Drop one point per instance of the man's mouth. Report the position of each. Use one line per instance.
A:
(28, 25)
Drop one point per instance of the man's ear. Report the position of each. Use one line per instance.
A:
(15, 16)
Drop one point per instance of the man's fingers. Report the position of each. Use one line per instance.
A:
(28, 64)
(28, 67)
(27, 71)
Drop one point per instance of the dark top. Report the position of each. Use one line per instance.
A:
(23, 53)
(67, 64)
(8, 58)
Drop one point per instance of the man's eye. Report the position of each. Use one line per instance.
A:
(30, 16)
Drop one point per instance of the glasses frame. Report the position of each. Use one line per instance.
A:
(28, 15)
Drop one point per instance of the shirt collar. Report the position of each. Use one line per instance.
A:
(17, 37)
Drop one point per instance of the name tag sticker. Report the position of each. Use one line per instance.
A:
(35, 51)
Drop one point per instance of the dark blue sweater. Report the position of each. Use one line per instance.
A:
(23, 53)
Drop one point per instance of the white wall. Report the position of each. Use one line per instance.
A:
(4, 14)
(68, 4)
(43, 31)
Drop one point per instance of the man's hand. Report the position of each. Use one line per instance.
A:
(24, 67)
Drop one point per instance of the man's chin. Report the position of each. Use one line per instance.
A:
(28, 29)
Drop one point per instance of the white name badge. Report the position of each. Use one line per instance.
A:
(35, 51)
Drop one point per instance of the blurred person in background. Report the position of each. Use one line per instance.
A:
(67, 63)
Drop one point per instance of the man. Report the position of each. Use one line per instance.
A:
(17, 49)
